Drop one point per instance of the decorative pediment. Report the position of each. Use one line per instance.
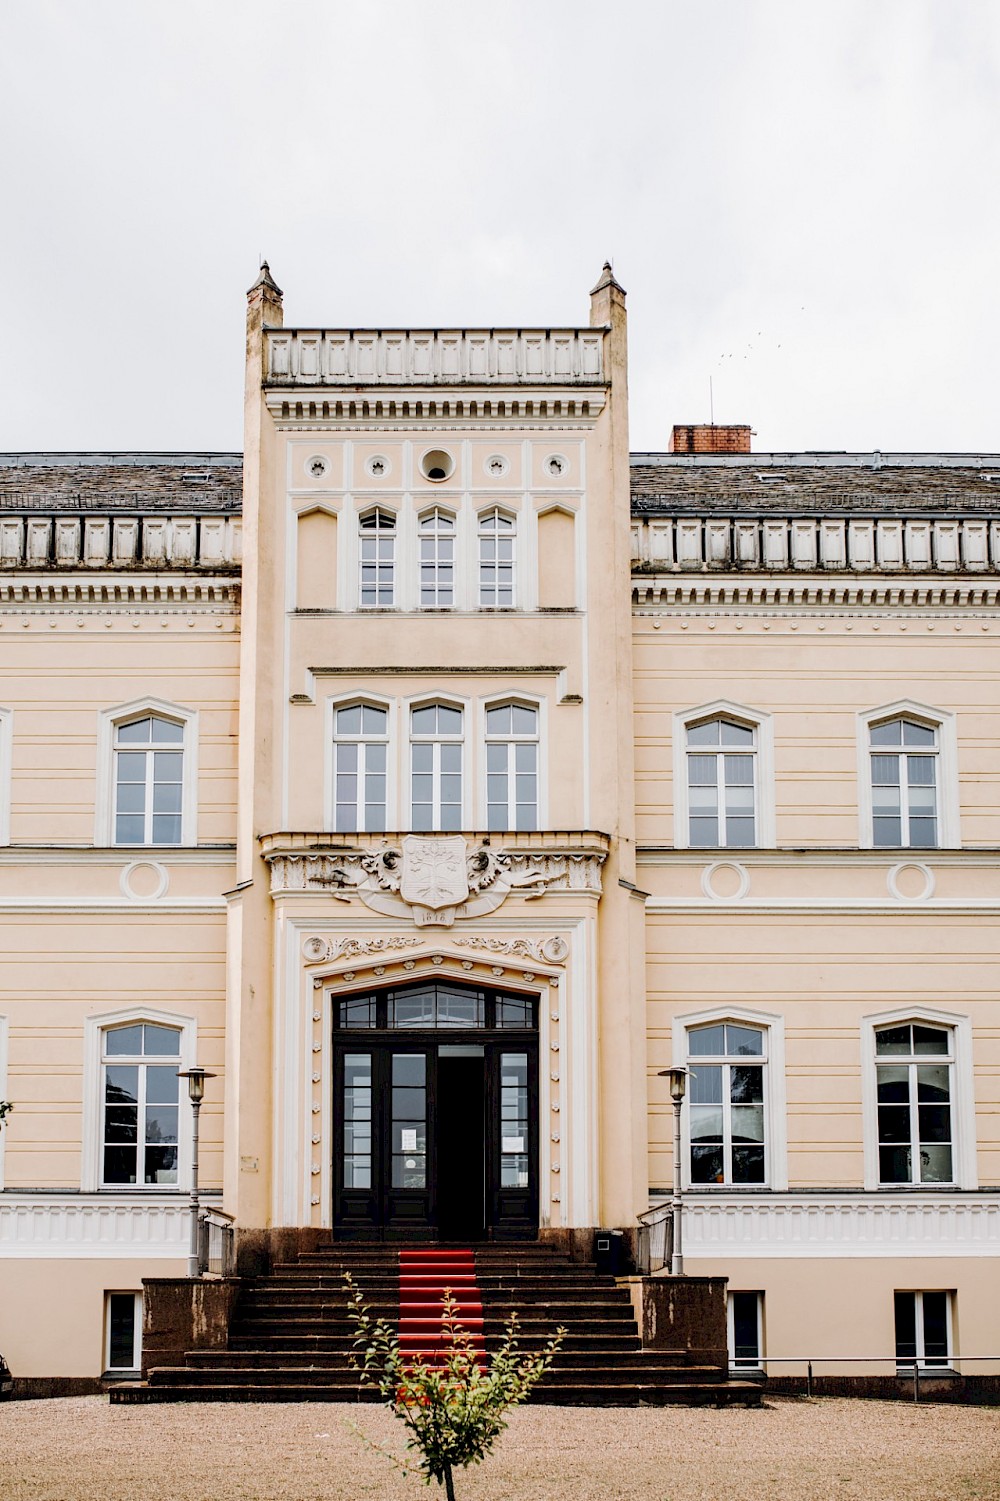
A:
(434, 879)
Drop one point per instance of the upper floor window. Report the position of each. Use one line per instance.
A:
(139, 1093)
(497, 532)
(361, 748)
(721, 784)
(148, 781)
(914, 1063)
(437, 560)
(378, 557)
(727, 1063)
(511, 767)
(904, 782)
(436, 748)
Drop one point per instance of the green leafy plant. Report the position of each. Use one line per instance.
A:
(5, 1108)
(453, 1408)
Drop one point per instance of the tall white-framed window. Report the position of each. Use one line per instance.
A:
(122, 1331)
(6, 757)
(745, 1327)
(360, 767)
(907, 778)
(377, 559)
(512, 769)
(136, 1120)
(924, 1327)
(147, 775)
(437, 745)
(733, 1123)
(723, 765)
(917, 1098)
(497, 544)
(140, 1115)
(436, 541)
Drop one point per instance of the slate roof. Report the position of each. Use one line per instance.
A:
(181, 483)
(808, 484)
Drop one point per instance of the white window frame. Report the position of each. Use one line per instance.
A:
(918, 1294)
(114, 1292)
(447, 701)
(539, 740)
(963, 1106)
(762, 724)
(91, 1161)
(509, 512)
(108, 722)
(6, 761)
(378, 508)
(949, 833)
(775, 1095)
(391, 758)
(422, 516)
(735, 1366)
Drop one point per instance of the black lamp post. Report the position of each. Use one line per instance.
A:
(196, 1093)
(678, 1086)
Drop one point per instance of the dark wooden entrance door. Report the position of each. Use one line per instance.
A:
(435, 1113)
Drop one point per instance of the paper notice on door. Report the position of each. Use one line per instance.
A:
(513, 1144)
(408, 1142)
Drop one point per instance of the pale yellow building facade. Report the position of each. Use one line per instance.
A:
(436, 774)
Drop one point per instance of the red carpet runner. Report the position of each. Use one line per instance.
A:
(423, 1277)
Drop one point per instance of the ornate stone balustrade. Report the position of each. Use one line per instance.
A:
(678, 544)
(94, 1225)
(421, 357)
(58, 541)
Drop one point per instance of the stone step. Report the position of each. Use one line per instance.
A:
(306, 1375)
(261, 1359)
(689, 1393)
(342, 1342)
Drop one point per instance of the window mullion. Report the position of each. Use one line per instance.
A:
(920, 1353)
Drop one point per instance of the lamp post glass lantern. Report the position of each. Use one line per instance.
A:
(677, 1078)
(195, 1077)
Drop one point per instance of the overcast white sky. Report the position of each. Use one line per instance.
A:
(801, 198)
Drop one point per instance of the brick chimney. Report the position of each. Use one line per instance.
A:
(707, 437)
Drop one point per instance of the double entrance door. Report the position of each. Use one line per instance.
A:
(435, 1112)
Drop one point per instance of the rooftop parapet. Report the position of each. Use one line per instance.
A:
(433, 357)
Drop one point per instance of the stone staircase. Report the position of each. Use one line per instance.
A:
(290, 1335)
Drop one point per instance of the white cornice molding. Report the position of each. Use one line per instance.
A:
(86, 591)
(458, 407)
(741, 594)
(65, 1225)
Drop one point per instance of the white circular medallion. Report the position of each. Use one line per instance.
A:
(378, 466)
(892, 881)
(317, 466)
(710, 874)
(144, 881)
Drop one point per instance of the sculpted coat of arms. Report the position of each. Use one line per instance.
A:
(434, 877)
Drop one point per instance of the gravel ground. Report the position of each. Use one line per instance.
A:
(82, 1449)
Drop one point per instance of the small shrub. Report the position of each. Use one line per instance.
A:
(452, 1408)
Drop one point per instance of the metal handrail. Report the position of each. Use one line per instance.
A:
(927, 1372)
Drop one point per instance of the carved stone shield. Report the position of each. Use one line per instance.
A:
(434, 872)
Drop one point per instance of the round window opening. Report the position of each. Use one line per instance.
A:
(437, 465)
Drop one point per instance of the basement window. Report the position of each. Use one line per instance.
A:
(123, 1333)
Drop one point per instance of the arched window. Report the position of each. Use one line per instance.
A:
(437, 559)
(904, 783)
(722, 784)
(497, 533)
(360, 755)
(511, 766)
(148, 780)
(377, 559)
(436, 748)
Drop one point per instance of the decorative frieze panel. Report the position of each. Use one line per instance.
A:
(859, 545)
(93, 1225)
(841, 1225)
(434, 879)
(335, 357)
